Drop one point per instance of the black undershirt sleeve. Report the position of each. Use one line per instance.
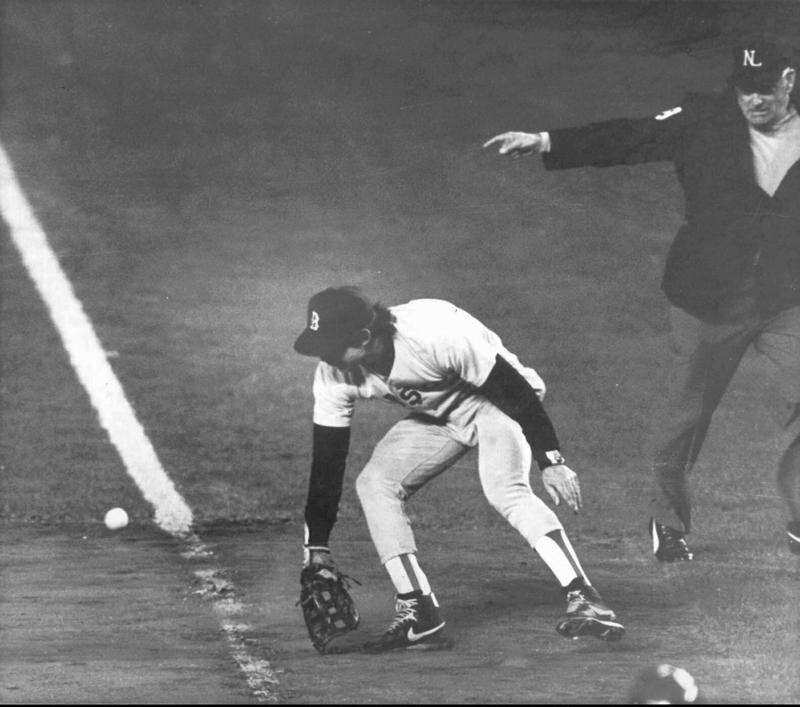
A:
(331, 445)
(509, 391)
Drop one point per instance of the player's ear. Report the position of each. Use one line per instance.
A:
(364, 337)
(789, 76)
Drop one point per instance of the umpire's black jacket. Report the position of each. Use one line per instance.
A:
(735, 238)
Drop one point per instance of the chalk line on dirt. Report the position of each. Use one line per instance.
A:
(88, 357)
(261, 678)
(117, 417)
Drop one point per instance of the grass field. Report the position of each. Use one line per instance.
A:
(201, 168)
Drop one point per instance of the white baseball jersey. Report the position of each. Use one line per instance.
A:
(442, 355)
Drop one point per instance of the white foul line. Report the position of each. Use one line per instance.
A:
(88, 357)
(117, 417)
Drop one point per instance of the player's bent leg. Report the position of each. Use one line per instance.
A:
(409, 455)
(504, 464)
(412, 453)
(384, 510)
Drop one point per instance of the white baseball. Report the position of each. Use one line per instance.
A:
(116, 518)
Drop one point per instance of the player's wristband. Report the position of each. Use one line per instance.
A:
(310, 550)
(550, 458)
(544, 145)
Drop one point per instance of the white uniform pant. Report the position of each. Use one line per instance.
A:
(417, 449)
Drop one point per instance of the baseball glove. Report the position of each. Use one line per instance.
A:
(328, 609)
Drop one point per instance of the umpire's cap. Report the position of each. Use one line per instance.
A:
(666, 685)
(335, 315)
(758, 64)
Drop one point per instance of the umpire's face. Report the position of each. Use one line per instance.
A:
(763, 110)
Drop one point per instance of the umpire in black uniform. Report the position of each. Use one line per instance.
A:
(732, 274)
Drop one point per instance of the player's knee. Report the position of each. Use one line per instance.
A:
(364, 485)
(505, 498)
(370, 485)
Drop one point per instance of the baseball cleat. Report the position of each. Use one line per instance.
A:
(668, 543)
(416, 626)
(588, 615)
(793, 536)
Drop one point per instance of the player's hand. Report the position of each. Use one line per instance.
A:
(515, 143)
(562, 484)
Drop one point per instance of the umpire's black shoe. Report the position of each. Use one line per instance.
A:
(416, 626)
(668, 543)
(793, 536)
(588, 615)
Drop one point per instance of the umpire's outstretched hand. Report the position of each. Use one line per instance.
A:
(562, 484)
(516, 143)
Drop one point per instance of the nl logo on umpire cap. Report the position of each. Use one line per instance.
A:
(758, 64)
(749, 58)
(313, 322)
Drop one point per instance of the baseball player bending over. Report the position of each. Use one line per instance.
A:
(462, 388)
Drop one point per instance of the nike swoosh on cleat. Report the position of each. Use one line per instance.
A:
(413, 636)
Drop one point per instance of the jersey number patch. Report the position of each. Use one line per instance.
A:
(411, 396)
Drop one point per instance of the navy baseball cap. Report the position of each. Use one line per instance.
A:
(334, 316)
(758, 64)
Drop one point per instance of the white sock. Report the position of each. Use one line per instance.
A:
(406, 575)
(558, 554)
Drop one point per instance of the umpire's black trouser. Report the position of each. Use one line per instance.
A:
(705, 358)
